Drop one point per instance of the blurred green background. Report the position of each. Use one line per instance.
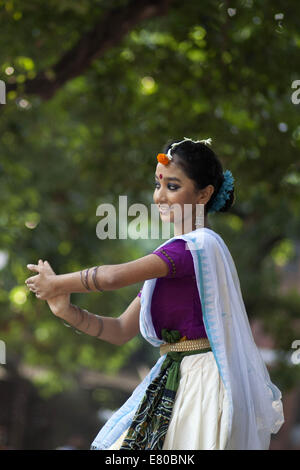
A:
(94, 90)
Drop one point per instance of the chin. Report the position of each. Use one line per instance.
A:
(167, 218)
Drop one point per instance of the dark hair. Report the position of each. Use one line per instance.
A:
(201, 165)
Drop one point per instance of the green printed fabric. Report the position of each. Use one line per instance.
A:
(151, 421)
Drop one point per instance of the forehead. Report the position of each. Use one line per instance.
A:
(169, 170)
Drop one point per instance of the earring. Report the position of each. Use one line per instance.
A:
(199, 221)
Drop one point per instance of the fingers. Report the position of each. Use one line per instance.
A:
(48, 267)
(35, 267)
(30, 280)
(35, 291)
(32, 288)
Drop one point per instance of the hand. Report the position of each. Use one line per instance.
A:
(59, 304)
(43, 284)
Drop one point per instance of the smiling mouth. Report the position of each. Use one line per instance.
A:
(164, 209)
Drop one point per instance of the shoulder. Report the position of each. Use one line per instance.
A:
(178, 257)
(175, 248)
(177, 244)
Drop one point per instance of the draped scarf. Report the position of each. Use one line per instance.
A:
(255, 403)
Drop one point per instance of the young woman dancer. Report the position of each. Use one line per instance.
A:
(210, 388)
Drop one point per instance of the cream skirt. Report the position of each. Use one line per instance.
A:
(200, 414)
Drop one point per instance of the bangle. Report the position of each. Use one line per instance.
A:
(95, 280)
(82, 279)
(80, 312)
(85, 284)
(89, 319)
(86, 279)
(100, 326)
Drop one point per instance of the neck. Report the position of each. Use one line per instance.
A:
(179, 230)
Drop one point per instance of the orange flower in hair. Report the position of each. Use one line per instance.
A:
(163, 158)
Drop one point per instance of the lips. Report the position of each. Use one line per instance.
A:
(164, 209)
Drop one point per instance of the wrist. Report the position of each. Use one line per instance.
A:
(65, 313)
(59, 285)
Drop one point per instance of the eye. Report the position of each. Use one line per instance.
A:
(172, 187)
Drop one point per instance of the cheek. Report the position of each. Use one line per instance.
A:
(183, 198)
(179, 196)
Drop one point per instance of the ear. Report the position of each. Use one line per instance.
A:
(205, 194)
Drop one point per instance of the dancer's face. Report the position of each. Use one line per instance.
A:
(172, 186)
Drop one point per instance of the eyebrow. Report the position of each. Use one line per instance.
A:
(170, 178)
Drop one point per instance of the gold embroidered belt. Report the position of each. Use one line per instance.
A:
(187, 345)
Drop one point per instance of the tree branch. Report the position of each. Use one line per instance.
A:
(107, 33)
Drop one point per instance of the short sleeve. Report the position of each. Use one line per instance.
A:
(177, 257)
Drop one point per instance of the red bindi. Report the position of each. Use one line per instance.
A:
(160, 176)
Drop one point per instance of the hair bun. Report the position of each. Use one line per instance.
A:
(229, 202)
(221, 201)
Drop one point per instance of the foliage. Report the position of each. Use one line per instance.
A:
(201, 70)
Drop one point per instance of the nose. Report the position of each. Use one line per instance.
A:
(160, 196)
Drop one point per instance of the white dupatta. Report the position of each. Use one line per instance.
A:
(256, 409)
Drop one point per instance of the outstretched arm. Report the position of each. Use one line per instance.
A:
(113, 330)
(107, 277)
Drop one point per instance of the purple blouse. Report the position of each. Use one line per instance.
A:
(175, 301)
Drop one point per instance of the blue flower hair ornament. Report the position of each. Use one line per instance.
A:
(223, 193)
